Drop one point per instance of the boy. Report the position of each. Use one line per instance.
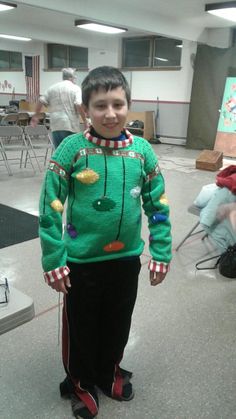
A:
(103, 172)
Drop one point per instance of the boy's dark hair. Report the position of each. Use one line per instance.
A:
(105, 77)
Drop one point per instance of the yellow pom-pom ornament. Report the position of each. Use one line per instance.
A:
(163, 199)
(57, 205)
(87, 176)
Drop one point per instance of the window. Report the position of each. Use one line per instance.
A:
(151, 52)
(60, 56)
(10, 60)
(233, 37)
(136, 53)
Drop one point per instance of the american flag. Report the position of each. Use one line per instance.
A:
(32, 78)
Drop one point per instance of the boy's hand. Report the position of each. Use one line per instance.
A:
(156, 277)
(61, 284)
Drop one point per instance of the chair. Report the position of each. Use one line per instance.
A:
(193, 209)
(10, 119)
(12, 140)
(23, 119)
(38, 139)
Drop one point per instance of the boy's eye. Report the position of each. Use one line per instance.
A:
(100, 106)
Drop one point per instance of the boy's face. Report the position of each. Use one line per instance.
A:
(108, 111)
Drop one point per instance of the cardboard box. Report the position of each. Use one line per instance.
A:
(209, 160)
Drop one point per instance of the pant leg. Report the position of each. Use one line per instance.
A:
(58, 136)
(118, 300)
(81, 314)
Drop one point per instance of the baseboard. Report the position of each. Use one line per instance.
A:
(174, 141)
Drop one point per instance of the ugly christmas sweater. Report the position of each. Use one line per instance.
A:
(104, 181)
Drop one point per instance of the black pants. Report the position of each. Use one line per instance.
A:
(97, 317)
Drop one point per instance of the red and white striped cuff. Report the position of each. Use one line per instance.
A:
(158, 266)
(56, 274)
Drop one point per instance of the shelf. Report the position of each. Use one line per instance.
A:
(147, 117)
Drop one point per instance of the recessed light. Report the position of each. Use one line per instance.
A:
(16, 38)
(225, 10)
(6, 6)
(98, 27)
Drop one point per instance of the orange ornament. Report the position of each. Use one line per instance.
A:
(114, 246)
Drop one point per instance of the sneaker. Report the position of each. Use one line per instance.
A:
(124, 393)
(66, 388)
(80, 410)
(84, 404)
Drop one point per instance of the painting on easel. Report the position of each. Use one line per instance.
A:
(226, 131)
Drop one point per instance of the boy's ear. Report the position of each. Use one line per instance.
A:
(85, 109)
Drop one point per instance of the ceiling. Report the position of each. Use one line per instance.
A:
(46, 20)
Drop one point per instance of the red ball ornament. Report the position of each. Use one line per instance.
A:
(114, 246)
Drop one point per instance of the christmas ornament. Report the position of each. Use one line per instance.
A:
(57, 205)
(163, 199)
(104, 204)
(87, 176)
(114, 246)
(71, 231)
(157, 218)
(135, 192)
(45, 221)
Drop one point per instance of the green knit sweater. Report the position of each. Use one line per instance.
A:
(104, 182)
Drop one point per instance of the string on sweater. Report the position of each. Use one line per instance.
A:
(45, 193)
(123, 199)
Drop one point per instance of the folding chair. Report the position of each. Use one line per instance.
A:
(38, 139)
(10, 119)
(193, 209)
(23, 119)
(12, 140)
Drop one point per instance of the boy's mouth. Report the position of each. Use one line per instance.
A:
(110, 126)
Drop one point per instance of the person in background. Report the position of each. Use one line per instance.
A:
(64, 102)
(105, 173)
(34, 121)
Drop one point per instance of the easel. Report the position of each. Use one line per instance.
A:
(226, 131)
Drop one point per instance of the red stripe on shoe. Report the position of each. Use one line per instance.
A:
(117, 386)
(87, 399)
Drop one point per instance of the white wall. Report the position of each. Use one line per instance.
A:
(217, 37)
(146, 85)
(167, 85)
(16, 79)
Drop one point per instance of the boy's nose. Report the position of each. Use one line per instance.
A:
(110, 113)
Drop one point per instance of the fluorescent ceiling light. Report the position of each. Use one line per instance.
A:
(98, 27)
(160, 59)
(225, 10)
(179, 46)
(6, 6)
(15, 38)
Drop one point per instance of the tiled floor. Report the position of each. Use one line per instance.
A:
(182, 341)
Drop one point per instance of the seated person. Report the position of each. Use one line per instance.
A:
(228, 211)
(218, 208)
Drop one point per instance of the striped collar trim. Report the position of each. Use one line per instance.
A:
(110, 143)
